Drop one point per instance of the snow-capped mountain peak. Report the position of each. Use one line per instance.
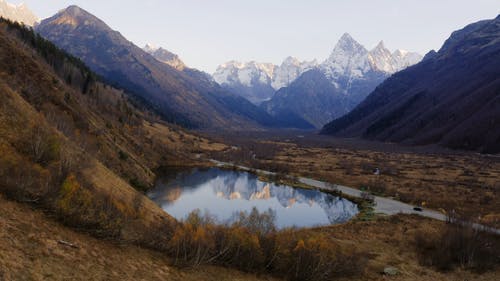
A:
(351, 60)
(290, 61)
(347, 44)
(150, 48)
(402, 59)
(381, 59)
(289, 70)
(348, 58)
(246, 74)
(380, 47)
(20, 13)
(165, 56)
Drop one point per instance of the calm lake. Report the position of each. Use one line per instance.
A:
(224, 192)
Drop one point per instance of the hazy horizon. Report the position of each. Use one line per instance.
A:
(206, 34)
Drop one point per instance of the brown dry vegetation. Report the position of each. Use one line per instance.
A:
(252, 244)
(465, 182)
(30, 250)
(78, 148)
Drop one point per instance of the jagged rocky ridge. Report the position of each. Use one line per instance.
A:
(338, 84)
(351, 69)
(451, 98)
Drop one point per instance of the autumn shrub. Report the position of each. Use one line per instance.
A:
(250, 242)
(78, 206)
(21, 179)
(40, 144)
(238, 247)
(193, 241)
(458, 243)
(314, 257)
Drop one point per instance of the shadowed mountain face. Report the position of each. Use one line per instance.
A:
(452, 97)
(337, 85)
(186, 97)
(314, 96)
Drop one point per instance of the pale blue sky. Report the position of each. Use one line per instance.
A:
(206, 33)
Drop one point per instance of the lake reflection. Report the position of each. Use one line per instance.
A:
(223, 192)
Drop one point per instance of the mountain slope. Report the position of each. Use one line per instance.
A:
(20, 13)
(76, 147)
(310, 100)
(452, 97)
(352, 71)
(181, 97)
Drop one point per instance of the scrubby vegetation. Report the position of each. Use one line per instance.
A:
(459, 243)
(252, 243)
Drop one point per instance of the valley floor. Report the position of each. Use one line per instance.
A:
(433, 177)
(30, 250)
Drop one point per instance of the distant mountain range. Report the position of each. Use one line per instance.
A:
(161, 81)
(20, 13)
(353, 72)
(258, 82)
(451, 98)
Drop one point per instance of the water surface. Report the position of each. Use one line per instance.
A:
(223, 192)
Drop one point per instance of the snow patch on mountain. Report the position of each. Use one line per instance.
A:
(165, 56)
(246, 74)
(289, 70)
(402, 59)
(250, 73)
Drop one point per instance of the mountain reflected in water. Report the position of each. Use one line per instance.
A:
(222, 193)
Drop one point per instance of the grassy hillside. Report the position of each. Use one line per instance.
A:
(77, 147)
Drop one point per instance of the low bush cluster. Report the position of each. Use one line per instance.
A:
(252, 243)
(458, 243)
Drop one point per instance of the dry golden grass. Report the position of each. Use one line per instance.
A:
(389, 241)
(466, 182)
(179, 139)
(29, 250)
